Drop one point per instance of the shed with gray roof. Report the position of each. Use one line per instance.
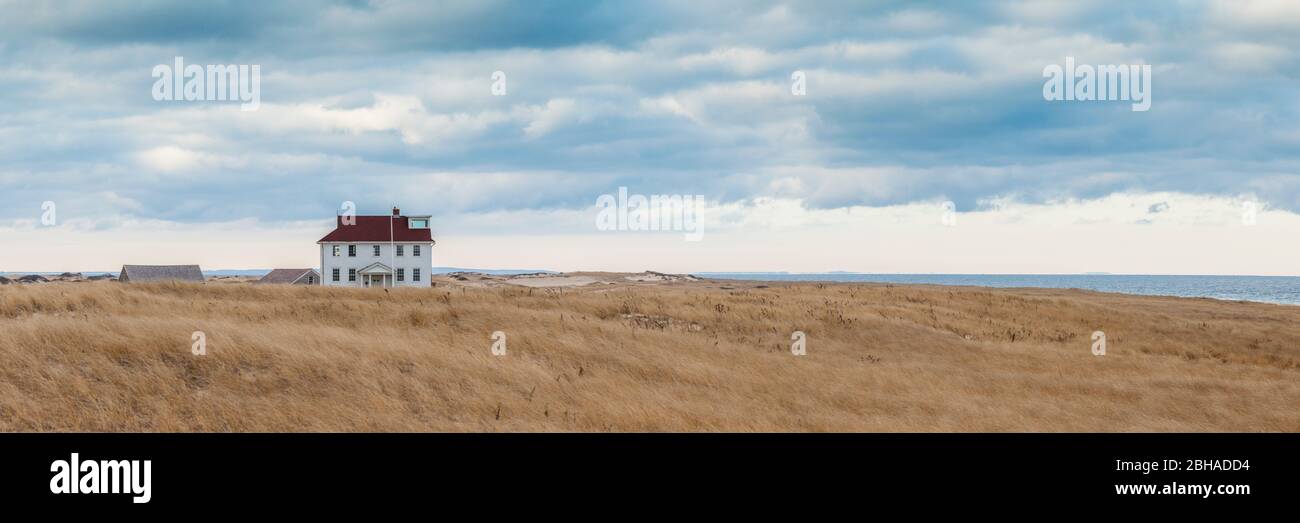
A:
(146, 273)
(292, 277)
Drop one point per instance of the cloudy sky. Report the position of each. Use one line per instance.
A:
(908, 105)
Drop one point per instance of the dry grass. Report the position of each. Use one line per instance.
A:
(678, 357)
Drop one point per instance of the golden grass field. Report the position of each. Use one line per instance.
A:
(694, 356)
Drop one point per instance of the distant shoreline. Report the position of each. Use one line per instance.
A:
(1283, 290)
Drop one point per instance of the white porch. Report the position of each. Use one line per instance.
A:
(376, 275)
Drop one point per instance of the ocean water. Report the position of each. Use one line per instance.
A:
(1269, 289)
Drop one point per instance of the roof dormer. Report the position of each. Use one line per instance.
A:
(418, 222)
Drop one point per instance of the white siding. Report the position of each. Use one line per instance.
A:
(365, 257)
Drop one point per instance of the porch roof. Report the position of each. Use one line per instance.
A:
(376, 268)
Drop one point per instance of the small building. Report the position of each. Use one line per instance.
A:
(292, 277)
(378, 251)
(146, 273)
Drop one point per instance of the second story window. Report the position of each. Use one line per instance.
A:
(352, 250)
(415, 250)
(401, 250)
(336, 250)
(376, 250)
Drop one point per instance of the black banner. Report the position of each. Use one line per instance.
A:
(157, 473)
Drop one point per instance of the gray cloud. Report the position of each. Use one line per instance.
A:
(389, 100)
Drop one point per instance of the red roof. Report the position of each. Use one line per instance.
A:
(376, 229)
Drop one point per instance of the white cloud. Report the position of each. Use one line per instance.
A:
(551, 116)
(1117, 233)
(1258, 14)
(742, 60)
(169, 158)
(1248, 56)
(669, 105)
(919, 20)
(1045, 10)
(175, 159)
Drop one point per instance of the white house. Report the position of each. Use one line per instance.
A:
(378, 251)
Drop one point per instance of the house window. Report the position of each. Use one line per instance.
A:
(352, 275)
(401, 274)
(400, 250)
(352, 250)
(415, 274)
(336, 275)
(376, 250)
(419, 223)
(336, 250)
(415, 250)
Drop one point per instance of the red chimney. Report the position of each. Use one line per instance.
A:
(397, 212)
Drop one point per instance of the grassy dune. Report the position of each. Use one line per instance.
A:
(105, 356)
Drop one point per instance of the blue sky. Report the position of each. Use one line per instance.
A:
(908, 104)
